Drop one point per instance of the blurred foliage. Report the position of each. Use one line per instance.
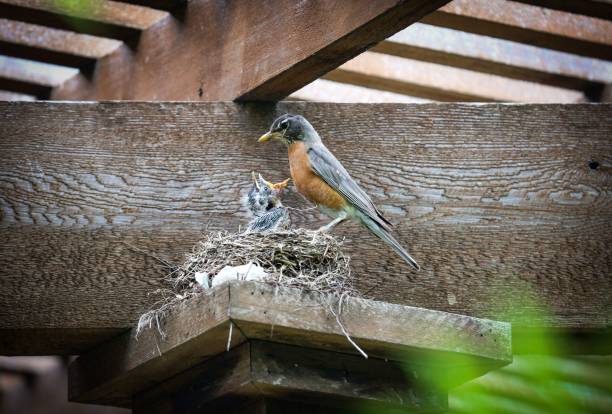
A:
(543, 379)
(76, 8)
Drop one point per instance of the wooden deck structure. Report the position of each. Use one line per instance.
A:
(504, 203)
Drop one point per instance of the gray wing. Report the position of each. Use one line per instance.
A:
(326, 166)
(276, 218)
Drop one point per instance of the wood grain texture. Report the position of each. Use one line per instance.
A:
(60, 47)
(115, 371)
(105, 18)
(496, 202)
(582, 35)
(247, 50)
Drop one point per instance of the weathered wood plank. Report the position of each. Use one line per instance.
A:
(14, 96)
(595, 8)
(147, 360)
(242, 57)
(498, 57)
(582, 35)
(104, 18)
(443, 83)
(31, 78)
(486, 197)
(116, 371)
(60, 47)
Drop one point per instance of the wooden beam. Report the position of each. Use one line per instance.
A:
(14, 96)
(31, 78)
(200, 329)
(241, 57)
(60, 47)
(486, 197)
(292, 376)
(104, 18)
(498, 57)
(601, 9)
(323, 90)
(441, 83)
(582, 35)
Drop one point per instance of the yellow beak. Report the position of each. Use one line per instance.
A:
(268, 136)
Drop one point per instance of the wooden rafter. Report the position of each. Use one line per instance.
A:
(523, 23)
(95, 17)
(238, 51)
(601, 9)
(60, 47)
(31, 78)
(498, 57)
(488, 198)
(442, 83)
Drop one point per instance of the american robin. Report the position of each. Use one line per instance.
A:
(320, 177)
(264, 203)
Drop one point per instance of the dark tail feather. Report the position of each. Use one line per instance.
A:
(387, 238)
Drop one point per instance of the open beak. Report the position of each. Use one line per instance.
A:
(268, 136)
(255, 180)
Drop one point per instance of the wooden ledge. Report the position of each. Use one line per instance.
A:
(200, 328)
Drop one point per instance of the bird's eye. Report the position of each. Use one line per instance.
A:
(284, 124)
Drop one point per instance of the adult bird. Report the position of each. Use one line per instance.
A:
(320, 177)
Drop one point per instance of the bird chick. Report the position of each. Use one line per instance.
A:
(263, 202)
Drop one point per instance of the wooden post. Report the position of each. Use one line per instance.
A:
(245, 347)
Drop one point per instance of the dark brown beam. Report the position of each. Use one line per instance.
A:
(601, 9)
(488, 198)
(247, 50)
(60, 47)
(94, 17)
(498, 57)
(528, 24)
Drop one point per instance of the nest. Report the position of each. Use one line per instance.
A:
(296, 258)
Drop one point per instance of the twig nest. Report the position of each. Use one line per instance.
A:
(294, 258)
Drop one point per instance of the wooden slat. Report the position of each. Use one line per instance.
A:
(104, 18)
(533, 25)
(323, 90)
(14, 96)
(499, 57)
(241, 57)
(441, 83)
(60, 47)
(200, 329)
(31, 78)
(484, 196)
(595, 8)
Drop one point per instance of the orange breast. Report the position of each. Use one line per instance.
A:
(308, 183)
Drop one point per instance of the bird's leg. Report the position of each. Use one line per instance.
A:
(330, 226)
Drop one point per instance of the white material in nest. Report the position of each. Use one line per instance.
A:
(249, 271)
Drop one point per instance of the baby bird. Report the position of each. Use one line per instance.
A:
(264, 203)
